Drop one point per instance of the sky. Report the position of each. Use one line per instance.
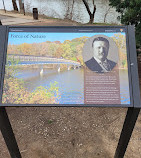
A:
(38, 37)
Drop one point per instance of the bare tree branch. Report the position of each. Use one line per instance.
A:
(87, 7)
(72, 9)
(69, 4)
(106, 13)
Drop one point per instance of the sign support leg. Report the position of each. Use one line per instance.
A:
(8, 134)
(129, 123)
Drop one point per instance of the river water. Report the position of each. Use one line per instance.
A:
(58, 9)
(70, 83)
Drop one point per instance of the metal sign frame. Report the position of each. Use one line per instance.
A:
(131, 59)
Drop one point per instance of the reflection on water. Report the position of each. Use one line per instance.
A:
(70, 83)
(124, 87)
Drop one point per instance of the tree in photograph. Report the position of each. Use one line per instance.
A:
(91, 14)
(15, 5)
(130, 14)
(120, 41)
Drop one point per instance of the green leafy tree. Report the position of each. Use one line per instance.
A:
(130, 14)
(67, 51)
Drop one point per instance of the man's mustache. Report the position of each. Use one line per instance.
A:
(101, 53)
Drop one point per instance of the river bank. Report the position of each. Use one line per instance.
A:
(16, 18)
(65, 9)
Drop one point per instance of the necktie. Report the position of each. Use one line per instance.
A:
(106, 65)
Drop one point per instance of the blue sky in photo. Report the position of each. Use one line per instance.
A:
(38, 37)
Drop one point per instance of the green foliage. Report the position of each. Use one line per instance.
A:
(50, 121)
(14, 92)
(124, 63)
(130, 14)
(44, 95)
(11, 67)
(67, 51)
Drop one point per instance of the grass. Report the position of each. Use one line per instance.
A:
(50, 121)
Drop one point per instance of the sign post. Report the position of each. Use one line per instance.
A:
(8, 135)
(133, 112)
(128, 127)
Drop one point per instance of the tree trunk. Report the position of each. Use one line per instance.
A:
(92, 15)
(21, 6)
(68, 9)
(91, 19)
(14, 5)
(69, 12)
(89, 12)
(72, 9)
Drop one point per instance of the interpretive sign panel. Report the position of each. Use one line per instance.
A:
(64, 66)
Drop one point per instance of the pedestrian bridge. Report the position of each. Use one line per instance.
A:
(40, 60)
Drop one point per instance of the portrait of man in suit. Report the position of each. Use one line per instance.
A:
(99, 62)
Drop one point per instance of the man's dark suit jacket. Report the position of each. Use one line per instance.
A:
(93, 65)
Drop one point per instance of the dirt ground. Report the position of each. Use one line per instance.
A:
(68, 132)
(58, 132)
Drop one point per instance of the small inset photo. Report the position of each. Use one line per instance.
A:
(100, 54)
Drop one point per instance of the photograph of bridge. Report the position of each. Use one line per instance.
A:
(44, 70)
